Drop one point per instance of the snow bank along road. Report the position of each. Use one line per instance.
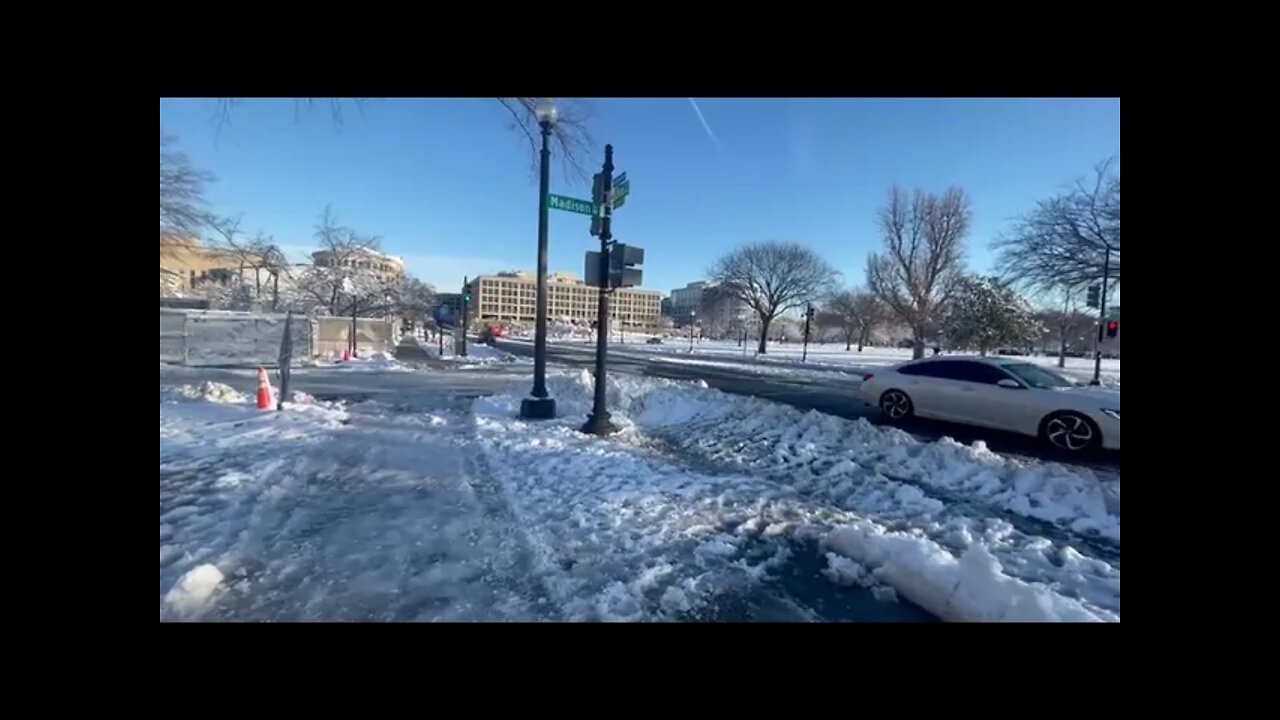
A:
(427, 502)
(828, 390)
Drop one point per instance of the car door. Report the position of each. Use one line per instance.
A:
(976, 398)
(930, 386)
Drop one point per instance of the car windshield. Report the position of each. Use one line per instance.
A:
(1036, 376)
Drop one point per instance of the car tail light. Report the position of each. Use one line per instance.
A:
(867, 377)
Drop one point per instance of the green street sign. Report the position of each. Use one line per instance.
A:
(560, 202)
(620, 194)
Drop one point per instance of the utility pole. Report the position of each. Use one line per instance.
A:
(598, 421)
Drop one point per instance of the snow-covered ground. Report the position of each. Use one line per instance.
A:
(480, 354)
(373, 362)
(829, 356)
(705, 506)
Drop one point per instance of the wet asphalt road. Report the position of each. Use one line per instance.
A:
(833, 395)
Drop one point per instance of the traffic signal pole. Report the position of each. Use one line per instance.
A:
(808, 315)
(1102, 319)
(466, 302)
(598, 421)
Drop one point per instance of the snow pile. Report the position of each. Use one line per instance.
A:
(765, 436)
(973, 588)
(194, 588)
(208, 391)
(807, 471)
(479, 354)
(376, 362)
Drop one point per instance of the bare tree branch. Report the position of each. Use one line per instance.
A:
(923, 257)
(772, 278)
(572, 143)
(856, 314)
(1062, 243)
(182, 186)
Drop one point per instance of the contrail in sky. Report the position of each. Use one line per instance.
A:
(703, 120)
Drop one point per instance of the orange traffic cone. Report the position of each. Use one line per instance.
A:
(346, 355)
(264, 390)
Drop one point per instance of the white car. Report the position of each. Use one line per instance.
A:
(1004, 393)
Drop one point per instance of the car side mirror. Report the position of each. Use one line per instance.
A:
(1009, 383)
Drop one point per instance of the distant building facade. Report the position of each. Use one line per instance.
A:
(686, 303)
(185, 264)
(710, 306)
(512, 296)
(385, 268)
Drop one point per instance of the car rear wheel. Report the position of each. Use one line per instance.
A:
(1070, 431)
(896, 405)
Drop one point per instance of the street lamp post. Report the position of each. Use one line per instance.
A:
(539, 406)
(693, 319)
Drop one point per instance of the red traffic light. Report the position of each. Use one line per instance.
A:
(1113, 328)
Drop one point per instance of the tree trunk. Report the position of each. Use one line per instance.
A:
(1062, 352)
(275, 291)
(848, 343)
(762, 348)
(862, 339)
(917, 343)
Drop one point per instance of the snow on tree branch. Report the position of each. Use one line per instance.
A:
(986, 314)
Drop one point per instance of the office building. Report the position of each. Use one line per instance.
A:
(512, 297)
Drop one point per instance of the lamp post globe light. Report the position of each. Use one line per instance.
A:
(539, 405)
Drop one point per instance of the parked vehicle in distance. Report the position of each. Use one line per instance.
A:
(654, 341)
(1004, 394)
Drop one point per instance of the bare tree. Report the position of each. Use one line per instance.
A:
(923, 257)
(573, 145)
(772, 278)
(1068, 325)
(1064, 241)
(413, 299)
(855, 314)
(182, 186)
(336, 282)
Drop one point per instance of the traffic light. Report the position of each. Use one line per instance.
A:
(1093, 297)
(808, 313)
(1113, 328)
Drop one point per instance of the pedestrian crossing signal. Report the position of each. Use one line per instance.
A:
(1113, 328)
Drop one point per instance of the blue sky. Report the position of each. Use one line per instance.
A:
(447, 183)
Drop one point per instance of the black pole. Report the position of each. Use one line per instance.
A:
(808, 312)
(285, 360)
(598, 421)
(1102, 321)
(541, 409)
(691, 321)
(354, 302)
(466, 305)
(440, 334)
